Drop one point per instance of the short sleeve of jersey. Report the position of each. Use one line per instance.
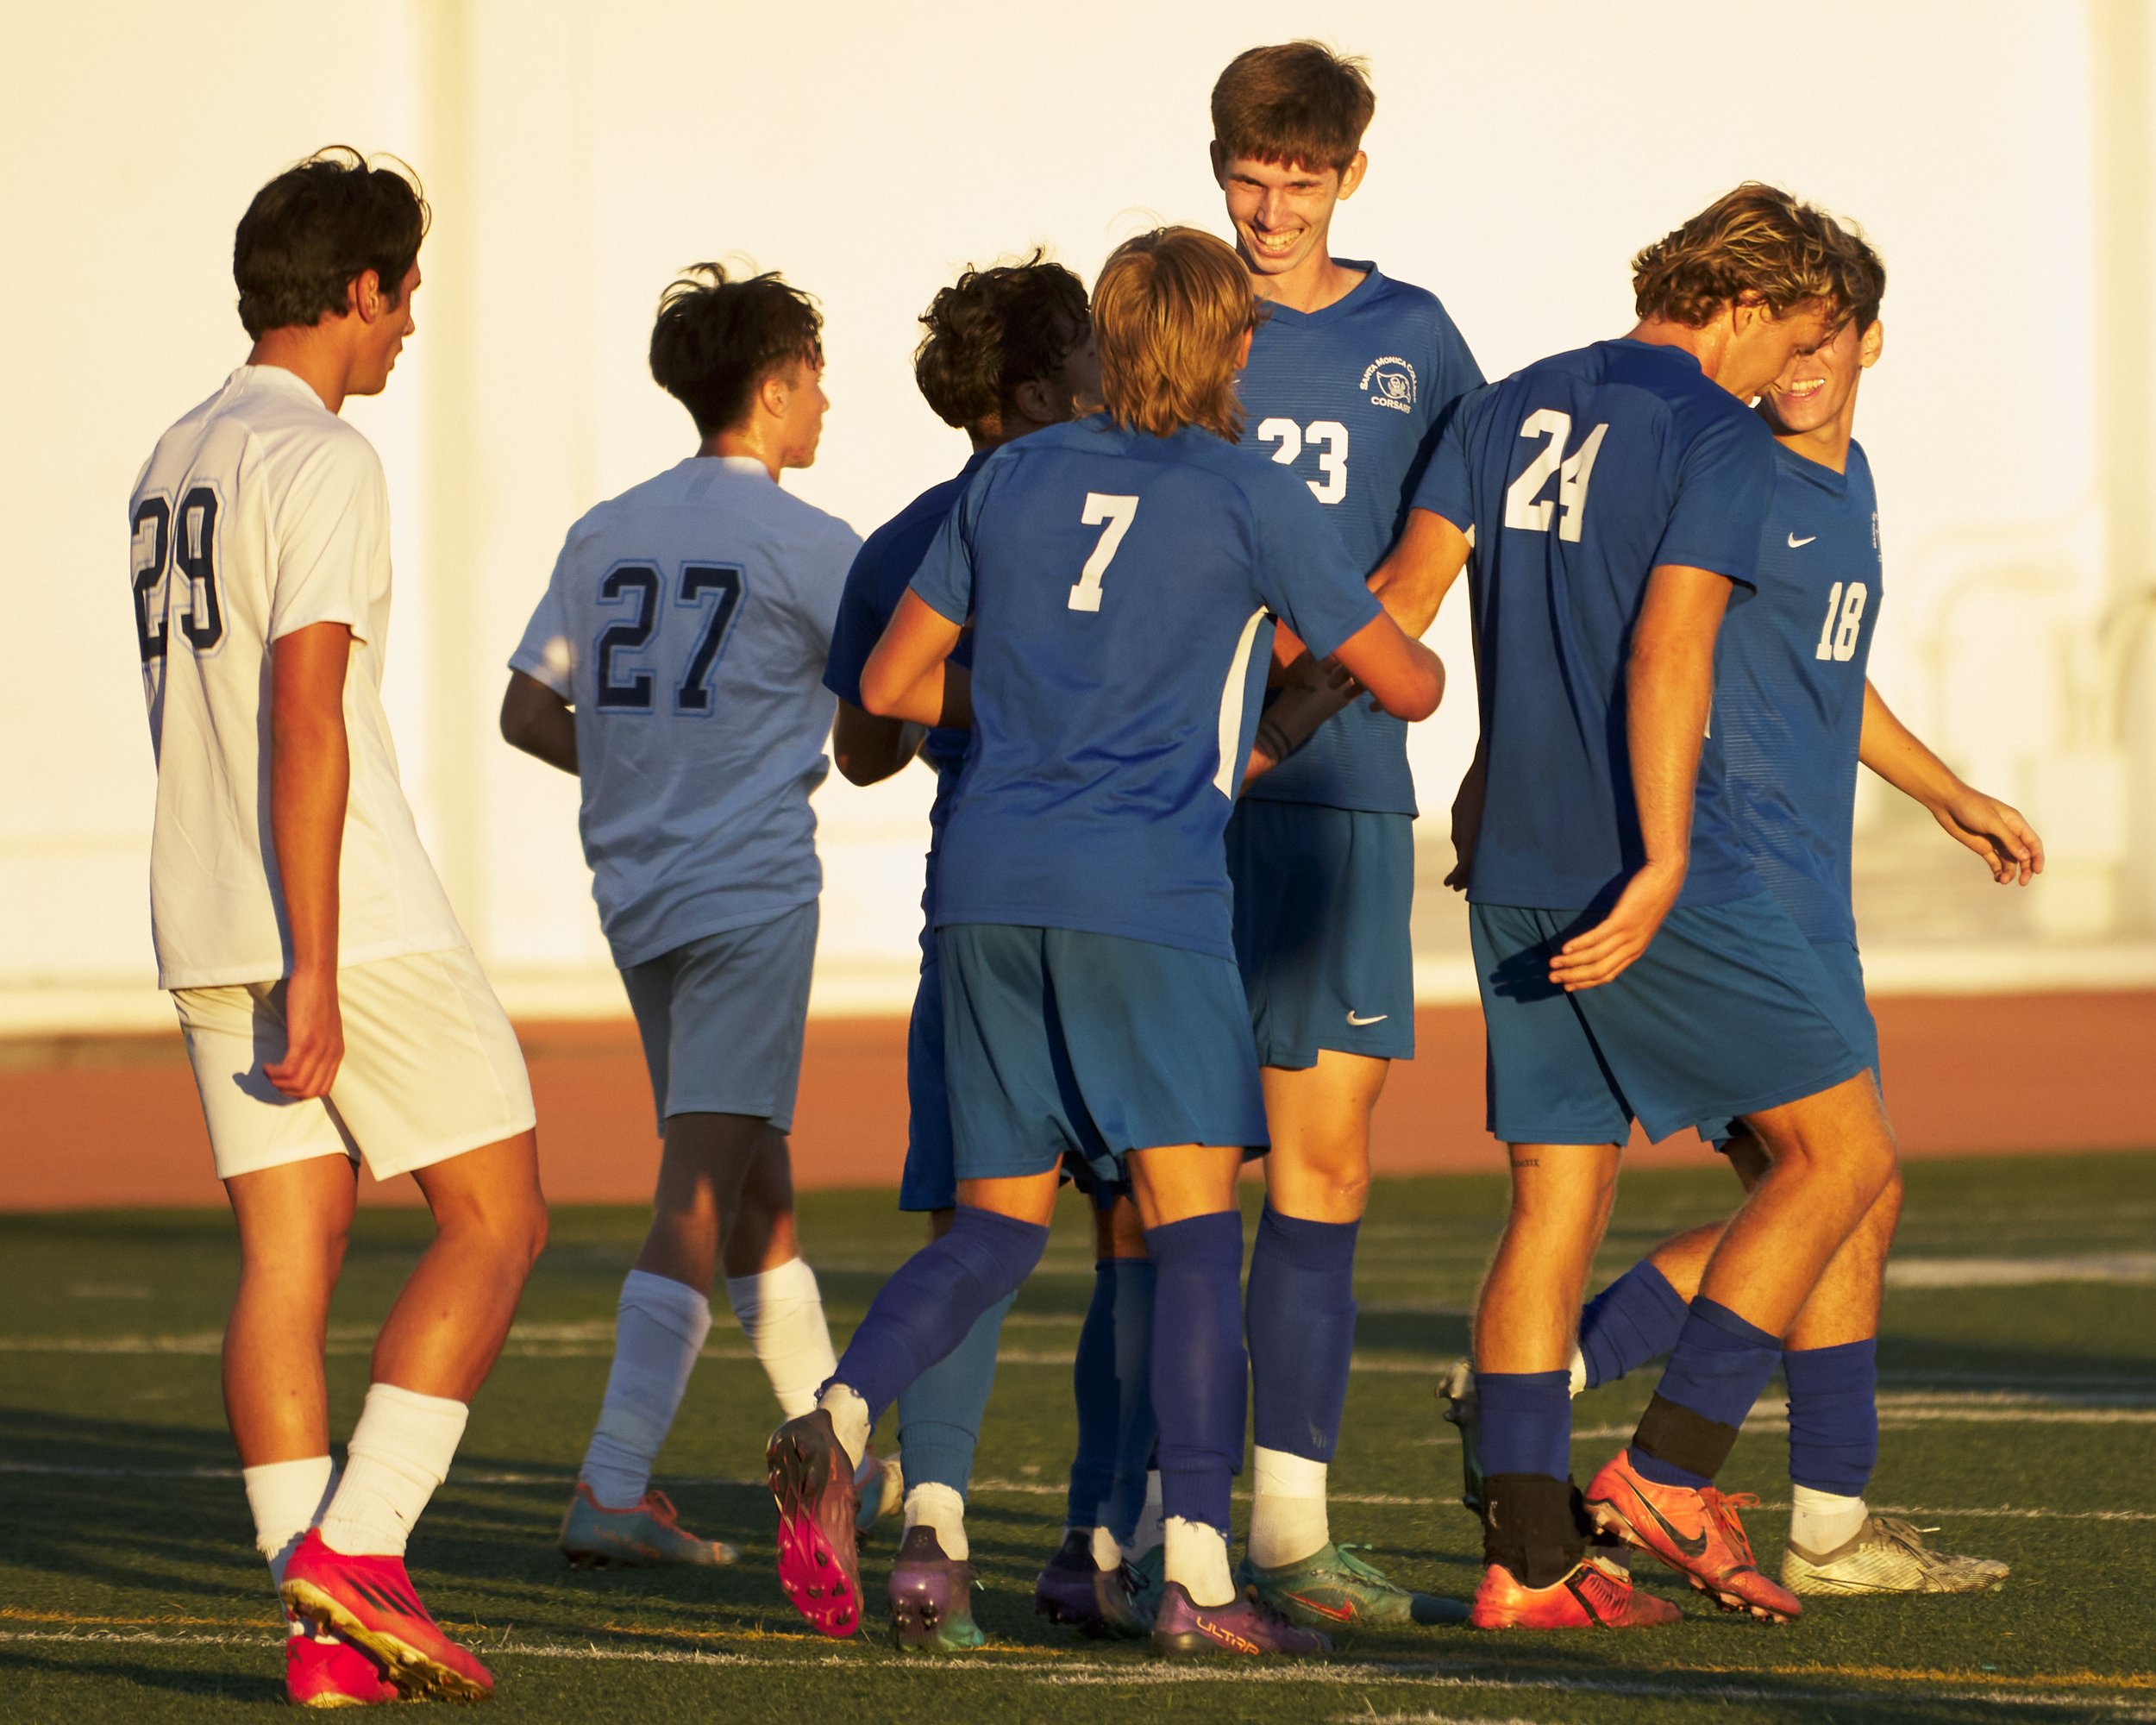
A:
(1444, 488)
(1725, 485)
(546, 653)
(822, 585)
(329, 529)
(855, 631)
(945, 580)
(1304, 572)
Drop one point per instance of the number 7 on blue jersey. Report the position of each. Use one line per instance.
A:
(1118, 512)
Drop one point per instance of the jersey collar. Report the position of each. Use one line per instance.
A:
(1348, 302)
(277, 381)
(1815, 473)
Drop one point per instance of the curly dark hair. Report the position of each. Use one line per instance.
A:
(993, 329)
(718, 337)
(317, 225)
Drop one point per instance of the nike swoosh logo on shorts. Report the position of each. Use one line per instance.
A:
(1696, 1545)
(1796, 544)
(1358, 1021)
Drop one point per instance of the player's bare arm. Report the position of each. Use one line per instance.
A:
(2005, 842)
(311, 773)
(1404, 676)
(1668, 691)
(1418, 572)
(538, 721)
(868, 749)
(906, 677)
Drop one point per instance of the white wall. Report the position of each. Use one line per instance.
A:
(576, 156)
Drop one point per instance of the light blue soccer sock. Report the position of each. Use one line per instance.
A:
(940, 1411)
(1111, 1380)
(1637, 1318)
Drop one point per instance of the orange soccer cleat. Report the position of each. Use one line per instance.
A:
(1595, 1594)
(1695, 1532)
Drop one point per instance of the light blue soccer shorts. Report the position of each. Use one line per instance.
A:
(1725, 1013)
(721, 1017)
(1066, 1046)
(1322, 901)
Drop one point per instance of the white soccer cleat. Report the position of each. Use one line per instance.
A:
(1887, 1555)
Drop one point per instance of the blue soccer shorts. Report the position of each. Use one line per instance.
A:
(1844, 1001)
(1065, 1046)
(1323, 898)
(1725, 1013)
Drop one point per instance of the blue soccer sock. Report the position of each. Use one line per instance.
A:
(1833, 1416)
(1524, 1422)
(933, 1299)
(1637, 1318)
(1720, 1365)
(1201, 1375)
(1301, 1316)
(939, 1413)
(1111, 1380)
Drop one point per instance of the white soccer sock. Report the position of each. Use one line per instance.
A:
(1106, 1555)
(658, 1330)
(781, 1312)
(1147, 1535)
(849, 1419)
(286, 1498)
(400, 1450)
(1578, 1368)
(1822, 1522)
(1288, 1515)
(944, 1509)
(1198, 1557)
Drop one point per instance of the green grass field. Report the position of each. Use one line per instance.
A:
(2020, 1418)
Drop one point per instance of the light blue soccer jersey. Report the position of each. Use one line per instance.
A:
(1789, 698)
(1578, 477)
(687, 622)
(1118, 586)
(1349, 398)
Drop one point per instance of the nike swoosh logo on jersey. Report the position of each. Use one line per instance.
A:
(1796, 544)
(1696, 1545)
(1358, 1021)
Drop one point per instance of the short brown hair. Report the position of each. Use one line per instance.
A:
(1300, 104)
(1755, 241)
(993, 330)
(717, 337)
(1862, 275)
(317, 225)
(1169, 313)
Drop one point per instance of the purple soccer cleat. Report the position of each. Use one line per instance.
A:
(819, 1564)
(1098, 1603)
(931, 1597)
(1246, 1624)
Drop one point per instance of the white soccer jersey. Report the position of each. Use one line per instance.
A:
(687, 622)
(260, 513)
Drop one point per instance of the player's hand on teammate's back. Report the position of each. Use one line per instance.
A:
(2006, 843)
(1608, 949)
(314, 1036)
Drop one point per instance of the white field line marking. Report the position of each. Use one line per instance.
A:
(1091, 1673)
(2019, 1272)
(1008, 1488)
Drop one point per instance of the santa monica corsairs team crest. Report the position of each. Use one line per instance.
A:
(1390, 382)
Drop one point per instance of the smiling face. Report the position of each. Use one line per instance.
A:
(1817, 388)
(1760, 344)
(1282, 212)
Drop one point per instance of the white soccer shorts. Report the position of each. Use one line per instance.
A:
(431, 1069)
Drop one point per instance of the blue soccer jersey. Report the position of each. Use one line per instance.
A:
(880, 573)
(1348, 397)
(1577, 477)
(1789, 697)
(1118, 586)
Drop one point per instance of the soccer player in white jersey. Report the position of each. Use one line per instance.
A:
(331, 1007)
(675, 664)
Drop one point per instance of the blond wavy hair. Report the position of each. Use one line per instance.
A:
(1757, 242)
(1169, 313)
